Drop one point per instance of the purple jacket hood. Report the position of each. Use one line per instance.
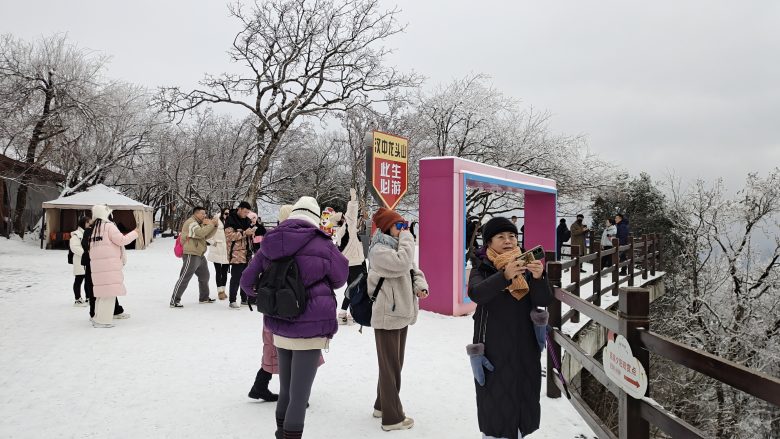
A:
(288, 238)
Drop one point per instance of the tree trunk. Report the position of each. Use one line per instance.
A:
(26, 177)
(253, 191)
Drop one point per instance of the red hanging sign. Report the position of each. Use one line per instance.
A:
(386, 168)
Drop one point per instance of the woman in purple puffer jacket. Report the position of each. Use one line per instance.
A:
(299, 341)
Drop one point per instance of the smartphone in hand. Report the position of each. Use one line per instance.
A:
(535, 254)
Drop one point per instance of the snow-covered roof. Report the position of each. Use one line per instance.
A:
(97, 194)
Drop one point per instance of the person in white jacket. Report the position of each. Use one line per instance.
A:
(398, 284)
(218, 255)
(78, 269)
(609, 233)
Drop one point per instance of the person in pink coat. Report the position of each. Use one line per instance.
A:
(107, 258)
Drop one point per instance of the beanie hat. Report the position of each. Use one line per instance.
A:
(384, 218)
(307, 209)
(496, 225)
(101, 211)
(285, 211)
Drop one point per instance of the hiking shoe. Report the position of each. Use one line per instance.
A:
(122, 316)
(177, 305)
(377, 414)
(102, 325)
(234, 305)
(209, 300)
(403, 425)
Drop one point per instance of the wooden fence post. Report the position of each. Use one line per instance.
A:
(631, 261)
(660, 266)
(655, 256)
(615, 267)
(597, 281)
(634, 308)
(575, 279)
(554, 272)
(645, 255)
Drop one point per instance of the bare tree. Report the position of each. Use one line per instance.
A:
(44, 87)
(724, 299)
(301, 58)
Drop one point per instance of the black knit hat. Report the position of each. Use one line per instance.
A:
(495, 226)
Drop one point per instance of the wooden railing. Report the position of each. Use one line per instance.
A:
(632, 322)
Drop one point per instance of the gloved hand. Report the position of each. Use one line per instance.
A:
(478, 360)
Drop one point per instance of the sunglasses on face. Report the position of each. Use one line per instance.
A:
(402, 225)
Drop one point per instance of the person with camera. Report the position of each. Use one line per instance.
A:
(239, 235)
(399, 285)
(194, 233)
(505, 353)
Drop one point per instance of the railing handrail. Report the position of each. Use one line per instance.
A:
(754, 382)
(633, 322)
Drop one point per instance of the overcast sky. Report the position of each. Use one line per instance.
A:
(691, 87)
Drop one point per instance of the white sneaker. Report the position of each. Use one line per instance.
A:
(79, 302)
(377, 414)
(124, 315)
(234, 305)
(102, 325)
(403, 425)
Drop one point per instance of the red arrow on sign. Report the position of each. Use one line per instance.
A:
(634, 383)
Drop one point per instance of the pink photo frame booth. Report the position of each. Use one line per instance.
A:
(443, 185)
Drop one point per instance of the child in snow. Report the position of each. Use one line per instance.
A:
(299, 341)
(78, 268)
(506, 291)
(399, 284)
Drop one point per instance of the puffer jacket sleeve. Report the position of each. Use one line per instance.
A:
(391, 263)
(339, 269)
(251, 273)
(541, 294)
(117, 237)
(204, 232)
(75, 247)
(482, 289)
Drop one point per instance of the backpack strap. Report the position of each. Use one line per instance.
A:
(376, 290)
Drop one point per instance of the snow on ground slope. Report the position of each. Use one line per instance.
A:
(184, 373)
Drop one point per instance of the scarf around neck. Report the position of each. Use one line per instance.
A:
(519, 287)
(382, 239)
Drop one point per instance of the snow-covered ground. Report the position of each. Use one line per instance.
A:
(184, 373)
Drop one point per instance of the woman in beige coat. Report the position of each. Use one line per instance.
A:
(398, 284)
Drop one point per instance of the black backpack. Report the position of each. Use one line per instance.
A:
(279, 290)
(361, 304)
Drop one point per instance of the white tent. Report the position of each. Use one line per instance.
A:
(62, 214)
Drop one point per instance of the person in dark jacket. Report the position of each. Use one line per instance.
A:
(299, 341)
(506, 291)
(562, 234)
(622, 236)
(239, 235)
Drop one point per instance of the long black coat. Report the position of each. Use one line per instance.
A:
(509, 401)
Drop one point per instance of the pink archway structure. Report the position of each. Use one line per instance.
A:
(443, 185)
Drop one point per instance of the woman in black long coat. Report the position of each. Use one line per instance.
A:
(506, 291)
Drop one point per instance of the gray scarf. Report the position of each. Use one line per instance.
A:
(382, 239)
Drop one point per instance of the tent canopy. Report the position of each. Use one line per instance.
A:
(62, 214)
(98, 194)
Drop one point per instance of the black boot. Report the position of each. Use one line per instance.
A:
(260, 388)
